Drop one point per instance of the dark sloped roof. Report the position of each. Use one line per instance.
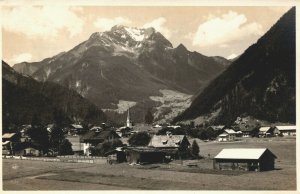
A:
(143, 149)
(93, 135)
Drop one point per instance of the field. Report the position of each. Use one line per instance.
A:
(38, 175)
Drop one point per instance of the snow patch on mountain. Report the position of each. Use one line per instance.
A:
(135, 34)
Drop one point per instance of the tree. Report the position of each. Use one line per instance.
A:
(195, 149)
(139, 139)
(56, 138)
(38, 133)
(149, 117)
(35, 121)
(65, 148)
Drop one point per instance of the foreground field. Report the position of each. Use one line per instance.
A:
(38, 175)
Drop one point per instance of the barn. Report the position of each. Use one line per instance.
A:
(287, 130)
(247, 159)
(144, 155)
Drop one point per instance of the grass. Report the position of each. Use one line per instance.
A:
(173, 176)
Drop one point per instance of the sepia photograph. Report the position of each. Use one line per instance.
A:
(136, 96)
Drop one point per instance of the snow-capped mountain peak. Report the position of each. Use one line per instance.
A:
(136, 34)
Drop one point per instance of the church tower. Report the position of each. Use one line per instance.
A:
(128, 121)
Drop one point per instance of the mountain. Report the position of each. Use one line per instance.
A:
(260, 83)
(23, 97)
(129, 67)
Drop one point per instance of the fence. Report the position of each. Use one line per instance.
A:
(72, 159)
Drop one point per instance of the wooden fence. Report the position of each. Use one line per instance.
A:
(72, 159)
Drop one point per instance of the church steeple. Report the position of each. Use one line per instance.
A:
(128, 121)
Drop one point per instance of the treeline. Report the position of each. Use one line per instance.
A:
(24, 97)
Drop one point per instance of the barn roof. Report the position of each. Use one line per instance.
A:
(264, 129)
(77, 126)
(143, 149)
(8, 135)
(283, 128)
(230, 131)
(5, 143)
(166, 140)
(243, 153)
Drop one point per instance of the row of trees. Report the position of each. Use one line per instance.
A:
(53, 142)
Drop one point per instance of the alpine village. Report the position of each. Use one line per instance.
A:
(143, 114)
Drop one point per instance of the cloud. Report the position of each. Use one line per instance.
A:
(159, 25)
(222, 30)
(105, 24)
(41, 21)
(22, 57)
(232, 56)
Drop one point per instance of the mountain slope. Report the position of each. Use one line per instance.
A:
(260, 83)
(127, 65)
(24, 97)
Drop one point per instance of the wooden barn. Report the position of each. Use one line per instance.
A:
(247, 159)
(268, 131)
(144, 155)
(287, 130)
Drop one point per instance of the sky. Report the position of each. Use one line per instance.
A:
(32, 33)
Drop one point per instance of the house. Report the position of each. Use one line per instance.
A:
(23, 129)
(96, 128)
(93, 138)
(77, 146)
(228, 135)
(75, 129)
(170, 144)
(124, 131)
(144, 155)
(268, 131)
(287, 130)
(264, 132)
(27, 149)
(7, 148)
(246, 130)
(50, 127)
(223, 137)
(12, 137)
(247, 159)
(217, 128)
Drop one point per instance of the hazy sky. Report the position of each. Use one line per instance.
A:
(32, 33)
